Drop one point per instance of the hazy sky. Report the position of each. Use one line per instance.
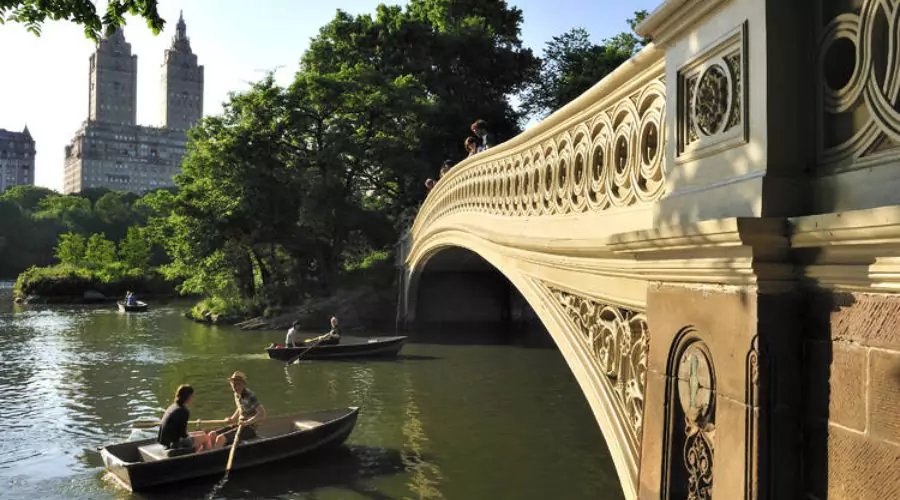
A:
(44, 81)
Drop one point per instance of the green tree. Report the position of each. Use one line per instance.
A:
(572, 64)
(33, 13)
(72, 212)
(70, 249)
(134, 250)
(99, 252)
(27, 197)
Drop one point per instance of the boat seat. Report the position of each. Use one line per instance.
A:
(156, 452)
(305, 425)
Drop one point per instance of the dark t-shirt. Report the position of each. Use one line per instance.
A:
(174, 425)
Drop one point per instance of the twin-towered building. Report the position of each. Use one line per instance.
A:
(110, 150)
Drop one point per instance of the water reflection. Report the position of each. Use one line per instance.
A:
(434, 423)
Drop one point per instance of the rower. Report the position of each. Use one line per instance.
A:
(248, 411)
(173, 428)
(331, 338)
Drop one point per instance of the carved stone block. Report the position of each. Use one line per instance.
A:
(712, 97)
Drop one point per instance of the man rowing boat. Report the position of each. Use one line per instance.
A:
(248, 413)
(331, 338)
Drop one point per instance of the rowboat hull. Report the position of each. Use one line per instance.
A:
(350, 347)
(277, 438)
(139, 307)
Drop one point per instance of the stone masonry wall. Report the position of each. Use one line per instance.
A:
(852, 397)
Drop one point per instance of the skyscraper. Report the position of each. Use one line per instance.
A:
(110, 150)
(182, 83)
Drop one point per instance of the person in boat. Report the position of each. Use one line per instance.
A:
(248, 411)
(173, 433)
(331, 338)
(131, 299)
(291, 339)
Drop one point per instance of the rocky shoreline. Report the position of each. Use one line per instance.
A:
(357, 308)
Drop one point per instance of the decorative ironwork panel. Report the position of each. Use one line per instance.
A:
(618, 340)
(859, 83)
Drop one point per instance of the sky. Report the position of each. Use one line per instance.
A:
(44, 80)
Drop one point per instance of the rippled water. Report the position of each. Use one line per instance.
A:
(459, 415)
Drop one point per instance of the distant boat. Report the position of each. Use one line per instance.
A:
(141, 464)
(350, 347)
(138, 307)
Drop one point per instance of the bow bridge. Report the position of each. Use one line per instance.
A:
(711, 235)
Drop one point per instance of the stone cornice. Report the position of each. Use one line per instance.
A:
(734, 251)
(674, 17)
(856, 250)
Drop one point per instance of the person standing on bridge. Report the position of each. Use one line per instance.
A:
(445, 168)
(479, 128)
(472, 146)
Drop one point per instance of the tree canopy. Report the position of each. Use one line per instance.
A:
(33, 13)
(572, 64)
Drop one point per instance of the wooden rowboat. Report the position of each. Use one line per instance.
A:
(138, 307)
(138, 465)
(350, 347)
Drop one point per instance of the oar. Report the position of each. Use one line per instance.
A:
(295, 358)
(237, 436)
(148, 424)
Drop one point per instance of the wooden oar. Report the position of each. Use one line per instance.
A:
(237, 436)
(295, 358)
(148, 424)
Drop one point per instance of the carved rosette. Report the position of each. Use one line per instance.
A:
(859, 85)
(618, 340)
(711, 104)
(609, 158)
(712, 100)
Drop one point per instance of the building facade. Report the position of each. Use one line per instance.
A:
(110, 150)
(16, 158)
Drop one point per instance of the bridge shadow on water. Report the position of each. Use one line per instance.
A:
(524, 334)
(343, 468)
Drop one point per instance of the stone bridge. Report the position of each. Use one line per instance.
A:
(711, 235)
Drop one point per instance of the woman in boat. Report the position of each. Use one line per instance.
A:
(331, 338)
(248, 412)
(130, 299)
(173, 432)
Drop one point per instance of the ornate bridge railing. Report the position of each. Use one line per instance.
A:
(604, 150)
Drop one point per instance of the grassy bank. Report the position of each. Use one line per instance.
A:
(69, 283)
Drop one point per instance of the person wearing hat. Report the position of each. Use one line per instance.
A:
(248, 412)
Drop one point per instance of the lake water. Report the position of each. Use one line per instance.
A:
(459, 415)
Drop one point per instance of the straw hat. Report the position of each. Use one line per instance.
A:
(238, 375)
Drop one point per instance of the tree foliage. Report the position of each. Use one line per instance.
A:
(33, 218)
(572, 64)
(70, 249)
(33, 13)
(99, 252)
(135, 249)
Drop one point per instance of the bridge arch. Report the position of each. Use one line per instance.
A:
(617, 429)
